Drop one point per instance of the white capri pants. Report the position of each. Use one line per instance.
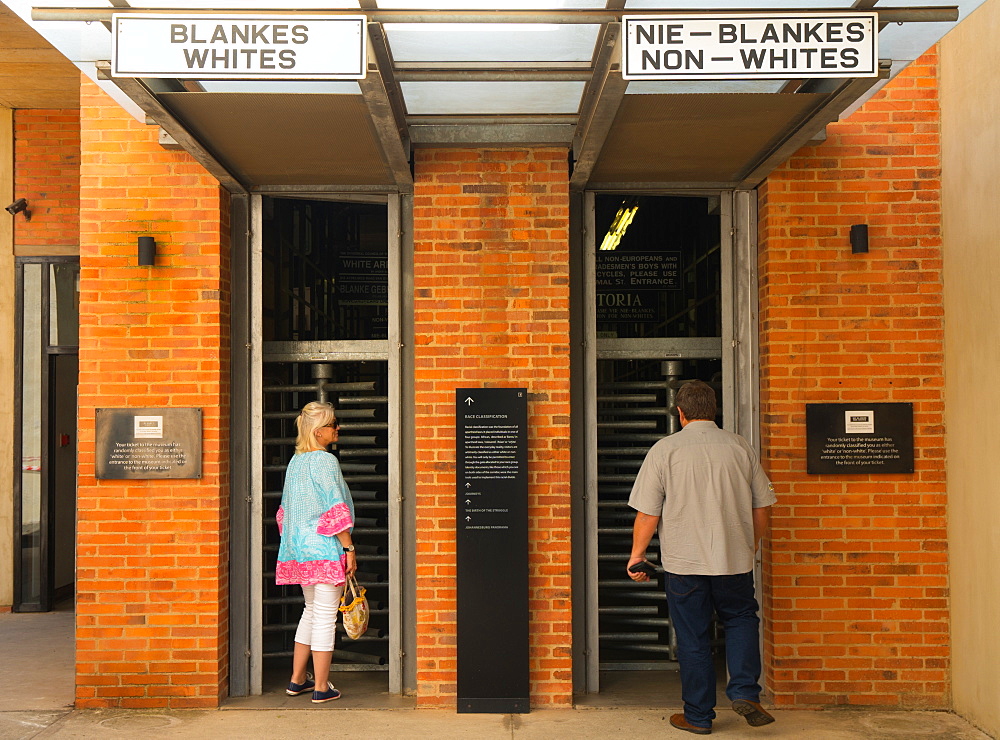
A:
(319, 618)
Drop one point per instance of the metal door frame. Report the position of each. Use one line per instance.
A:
(390, 350)
(739, 343)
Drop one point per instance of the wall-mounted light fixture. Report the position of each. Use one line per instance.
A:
(859, 238)
(147, 250)
(19, 206)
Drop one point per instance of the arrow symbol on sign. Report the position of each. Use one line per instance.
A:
(468, 485)
(467, 502)
(468, 518)
(469, 401)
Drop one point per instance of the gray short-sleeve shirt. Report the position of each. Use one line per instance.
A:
(703, 482)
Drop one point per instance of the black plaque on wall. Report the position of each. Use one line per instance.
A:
(491, 510)
(148, 443)
(859, 438)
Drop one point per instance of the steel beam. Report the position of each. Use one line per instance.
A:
(493, 133)
(600, 103)
(493, 75)
(385, 104)
(146, 99)
(937, 14)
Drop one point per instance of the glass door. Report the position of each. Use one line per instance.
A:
(45, 445)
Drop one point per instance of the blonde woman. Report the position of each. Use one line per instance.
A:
(315, 521)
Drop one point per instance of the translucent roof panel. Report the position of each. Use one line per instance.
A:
(491, 98)
(741, 5)
(224, 6)
(489, 4)
(491, 42)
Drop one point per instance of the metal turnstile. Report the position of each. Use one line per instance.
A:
(358, 392)
(635, 401)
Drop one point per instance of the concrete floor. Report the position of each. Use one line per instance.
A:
(36, 695)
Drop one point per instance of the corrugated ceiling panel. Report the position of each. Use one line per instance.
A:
(694, 138)
(286, 139)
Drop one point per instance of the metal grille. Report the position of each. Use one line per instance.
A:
(358, 392)
(634, 410)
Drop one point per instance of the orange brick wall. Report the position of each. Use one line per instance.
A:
(856, 578)
(47, 174)
(152, 555)
(491, 309)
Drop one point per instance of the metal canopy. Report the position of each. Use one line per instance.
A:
(428, 85)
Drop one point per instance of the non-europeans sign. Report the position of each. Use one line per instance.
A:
(750, 46)
(247, 47)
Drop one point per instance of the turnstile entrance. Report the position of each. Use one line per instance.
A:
(357, 391)
(327, 313)
(666, 303)
(634, 410)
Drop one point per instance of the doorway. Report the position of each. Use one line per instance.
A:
(327, 311)
(45, 444)
(669, 296)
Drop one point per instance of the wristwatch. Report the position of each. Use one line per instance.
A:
(349, 548)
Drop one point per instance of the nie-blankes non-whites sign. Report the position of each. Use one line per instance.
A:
(750, 46)
(248, 47)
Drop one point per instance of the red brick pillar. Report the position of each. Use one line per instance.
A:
(856, 582)
(152, 555)
(491, 309)
(47, 174)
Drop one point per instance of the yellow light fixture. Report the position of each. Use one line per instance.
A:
(618, 226)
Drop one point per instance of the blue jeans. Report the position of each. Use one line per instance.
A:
(691, 600)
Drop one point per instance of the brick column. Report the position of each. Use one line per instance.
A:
(152, 555)
(856, 587)
(491, 309)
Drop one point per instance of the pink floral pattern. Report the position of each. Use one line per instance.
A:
(309, 574)
(334, 521)
(280, 518)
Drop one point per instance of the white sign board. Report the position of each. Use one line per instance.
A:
(859, 422)
(244, 47)
(750, 46)
(149, 427)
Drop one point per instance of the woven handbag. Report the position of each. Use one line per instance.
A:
(354, 609)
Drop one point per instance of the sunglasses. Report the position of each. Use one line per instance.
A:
(335, 425)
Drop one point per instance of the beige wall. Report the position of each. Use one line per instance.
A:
(6, 362)
(970, 101)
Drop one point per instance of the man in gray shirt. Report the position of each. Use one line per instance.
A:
(703, 492)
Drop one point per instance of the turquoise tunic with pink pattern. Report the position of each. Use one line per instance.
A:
(315, 505)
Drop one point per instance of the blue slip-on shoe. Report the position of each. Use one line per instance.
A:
(321, 697)
(294, 689)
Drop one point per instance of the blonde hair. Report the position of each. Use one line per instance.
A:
(315, 415)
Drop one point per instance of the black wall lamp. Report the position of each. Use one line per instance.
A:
(19, 206)
(859, 238)
(147, 250)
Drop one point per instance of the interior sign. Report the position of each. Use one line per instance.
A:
(750, 46)
(246, 47)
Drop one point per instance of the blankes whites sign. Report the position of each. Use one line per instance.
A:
(750, 46)
(247, 47)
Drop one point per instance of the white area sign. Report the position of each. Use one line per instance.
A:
(750, 46)
(148, 427)
(859, 422)
(245, 47)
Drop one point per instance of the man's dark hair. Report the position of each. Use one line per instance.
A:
(697, 400)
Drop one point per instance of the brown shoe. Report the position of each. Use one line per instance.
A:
(678, 721)
(752, 712)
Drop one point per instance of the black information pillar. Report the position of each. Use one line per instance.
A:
(491, 509)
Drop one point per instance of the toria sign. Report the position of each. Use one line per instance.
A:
(246, 47)
(750, 46)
